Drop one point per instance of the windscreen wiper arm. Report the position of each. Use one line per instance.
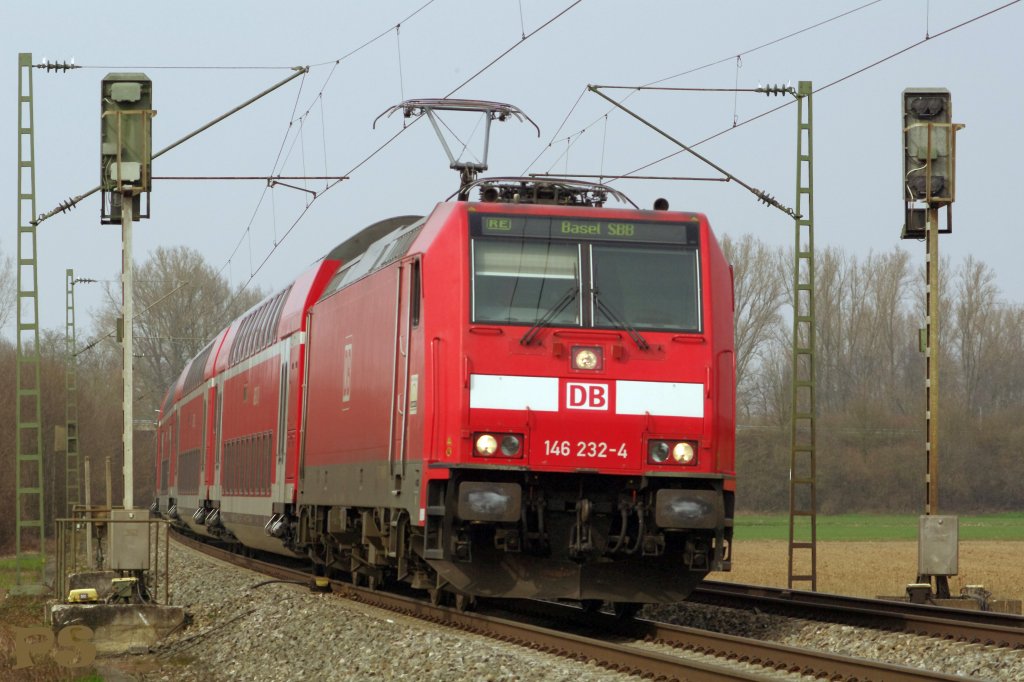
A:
(559, 306)
(617, 320)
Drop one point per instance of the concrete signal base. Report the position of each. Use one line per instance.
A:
(120, 628)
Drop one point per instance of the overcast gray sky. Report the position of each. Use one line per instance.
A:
(320, 124)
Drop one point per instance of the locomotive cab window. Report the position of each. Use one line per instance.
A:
(555, 271)
(520, 282)
(645, 287)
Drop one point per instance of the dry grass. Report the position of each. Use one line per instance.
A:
(27, 612)
(869, 569)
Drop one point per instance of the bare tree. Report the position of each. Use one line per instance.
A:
(181, 302)
(759, 281)
(975, 328)
(8, 290)
(870, 382)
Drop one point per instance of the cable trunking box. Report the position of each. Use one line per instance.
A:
(129, 540)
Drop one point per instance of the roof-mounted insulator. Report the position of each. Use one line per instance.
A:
(556, 191)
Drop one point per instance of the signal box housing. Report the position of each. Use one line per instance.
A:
(126, 142)
(129, 540)
(929, 150)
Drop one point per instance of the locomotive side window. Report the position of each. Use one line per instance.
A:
(414, 294)
(522, 281)
(646, 287)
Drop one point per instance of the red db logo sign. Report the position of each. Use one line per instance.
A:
(580, 396)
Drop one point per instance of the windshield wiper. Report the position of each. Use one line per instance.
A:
(559, 306)
(617, 320)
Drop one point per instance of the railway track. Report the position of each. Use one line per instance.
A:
(649, 649)
(961, 625)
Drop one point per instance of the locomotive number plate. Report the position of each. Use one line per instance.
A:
(587, 449)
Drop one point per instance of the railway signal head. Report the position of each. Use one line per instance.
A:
(126, 143)
(929, 149)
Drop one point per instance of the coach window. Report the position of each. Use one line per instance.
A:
(646, 287)
(520, 282)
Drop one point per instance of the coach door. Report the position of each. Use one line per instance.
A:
(406, 392)
(215, 488)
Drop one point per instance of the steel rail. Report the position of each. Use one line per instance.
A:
(703, 655)
(767, 655)
(962, 625)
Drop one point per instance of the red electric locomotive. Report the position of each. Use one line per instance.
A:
(531, 395)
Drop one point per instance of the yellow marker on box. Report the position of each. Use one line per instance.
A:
(86, 595)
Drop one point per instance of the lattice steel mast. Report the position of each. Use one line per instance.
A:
(71, 406)
(28, 448)
(803, 503)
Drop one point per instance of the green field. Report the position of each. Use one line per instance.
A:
(29, 569)
(847, 527)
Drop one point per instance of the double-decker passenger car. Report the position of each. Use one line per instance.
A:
(530, 395)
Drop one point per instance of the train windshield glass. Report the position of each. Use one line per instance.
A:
(645, 287)
(596, 273)
(524, 281)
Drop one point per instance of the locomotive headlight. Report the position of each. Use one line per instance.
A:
(587, 357)
(510, 446)
(486, 445)
(683, 453)
(658, 451)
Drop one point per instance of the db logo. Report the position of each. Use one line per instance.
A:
(586, 396)
(74, 646)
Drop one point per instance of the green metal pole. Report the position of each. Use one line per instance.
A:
(28, 449)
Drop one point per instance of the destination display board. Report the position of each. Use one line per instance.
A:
(579, 228)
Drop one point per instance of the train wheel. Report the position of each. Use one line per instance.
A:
(464, 602)
(436, 596)
(357, 579)
(626, 610)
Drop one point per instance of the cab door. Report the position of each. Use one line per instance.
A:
(406, 403)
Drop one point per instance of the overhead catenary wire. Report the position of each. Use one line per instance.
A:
(111, 333)
(695, 69)
(381, 148)
(775, 41)
(828, 85)
(284, 141)
(398, 45)
(278, 241)
(513, 47)
(760, 194)
(380, 35)
(689, 178)
(736, 90)
(72, 202)
(185, 67)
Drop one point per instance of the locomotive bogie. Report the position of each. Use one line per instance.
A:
(582, 537)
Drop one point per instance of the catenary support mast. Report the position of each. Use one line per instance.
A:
(28, 448)
(803, 524)
(71, 405)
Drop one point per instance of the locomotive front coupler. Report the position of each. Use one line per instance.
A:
(581, 540)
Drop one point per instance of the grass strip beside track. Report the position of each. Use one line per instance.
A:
(878, 527)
